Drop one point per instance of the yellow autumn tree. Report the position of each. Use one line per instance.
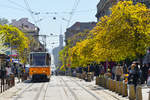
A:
(17, 40)
(70, 54)
(123, 34)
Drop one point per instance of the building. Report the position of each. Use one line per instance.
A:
(56, 51)
(103, 7)
(32, 31)
(25, 26)
(78, 27)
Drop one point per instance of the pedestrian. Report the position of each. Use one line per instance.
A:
(113, 72)
(144, 70)
(134, 76)
(102, 69)
(125, 68)
(118, 72)
(8, 71)
(131, 71)
(97, 70)
(20, 72)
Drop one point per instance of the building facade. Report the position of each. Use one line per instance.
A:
(103, 7)
(25, 26)
(56, 51)
(78, 27)
(32, 31)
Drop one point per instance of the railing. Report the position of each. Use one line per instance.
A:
(7, 82)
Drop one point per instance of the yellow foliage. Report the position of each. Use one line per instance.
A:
(123, 34)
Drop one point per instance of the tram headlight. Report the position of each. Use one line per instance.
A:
(33, 71)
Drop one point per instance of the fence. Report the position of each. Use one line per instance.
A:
(7, 82)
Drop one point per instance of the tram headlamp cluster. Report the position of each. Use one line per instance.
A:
(33, 71)
(44, 71)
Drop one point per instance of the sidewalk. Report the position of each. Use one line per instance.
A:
(12, 92)
(96, 88)
(145, 92)
(104, 93)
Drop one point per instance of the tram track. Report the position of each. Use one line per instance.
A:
(97, 98)
(39, 92)
(58, 84)
(36, 97)
(19, 95)
(89, 92)
(71, 91)
(45, 91)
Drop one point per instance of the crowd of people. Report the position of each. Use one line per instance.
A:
(135, 73)
(14, 69)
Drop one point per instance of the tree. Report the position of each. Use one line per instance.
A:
(3, 48)
(17, 40)
(125, 33)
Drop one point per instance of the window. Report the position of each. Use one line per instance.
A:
(40, 59)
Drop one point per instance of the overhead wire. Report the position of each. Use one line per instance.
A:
(56, 13)
(11, 7)
(73, 11)
(22, 7)
(30, 11)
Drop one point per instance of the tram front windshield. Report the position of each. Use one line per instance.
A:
(37, 59)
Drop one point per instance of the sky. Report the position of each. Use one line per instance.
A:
(51, 16)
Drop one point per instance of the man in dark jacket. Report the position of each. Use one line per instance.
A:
(144, 73)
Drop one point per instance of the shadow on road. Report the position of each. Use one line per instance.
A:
(96, 88)
(30, 81)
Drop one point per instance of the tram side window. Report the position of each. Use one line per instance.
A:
(47, 60)
(31, 59)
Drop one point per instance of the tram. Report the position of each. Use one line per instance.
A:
(39, 66)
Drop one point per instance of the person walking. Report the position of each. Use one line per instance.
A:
(119, 72)
(8, 71)
(144, 70)
(113, 72)
(134, 75)
(20, 72)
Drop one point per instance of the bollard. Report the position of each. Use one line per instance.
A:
(97, 80)
(121, 88)
(131, 92)
(110, 84)
(107, 82)
(138, 93)
(100, 81)
(79, 76)
(104, 82)
(117, 86)
(125, 90)
(113, 86)
(149, 96)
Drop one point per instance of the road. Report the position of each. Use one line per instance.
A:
(59, 88)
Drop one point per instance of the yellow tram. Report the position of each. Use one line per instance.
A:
(40, 66)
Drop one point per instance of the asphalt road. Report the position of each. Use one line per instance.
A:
(59, 88)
